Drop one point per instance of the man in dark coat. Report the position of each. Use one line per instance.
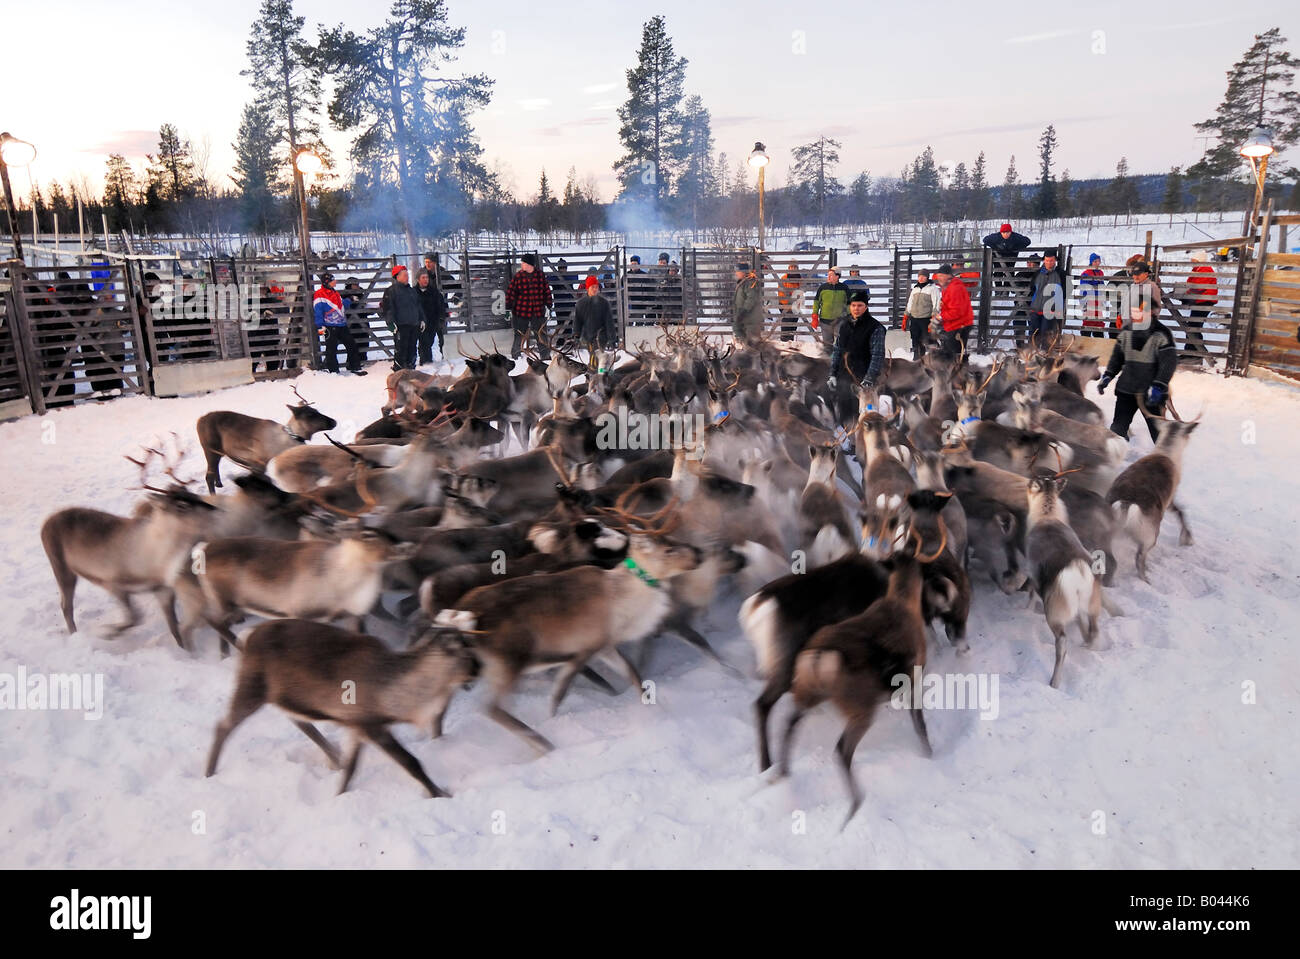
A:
(400, 310)
(434, 308)
(859, 349)
(1145, 356)
(1047, 300)
(593, 320)
(1006, 245)
(527, 299)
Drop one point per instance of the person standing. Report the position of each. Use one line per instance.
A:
(859, 350)
(956, 317)
(1006, 245)
(434, 309)
(1144, 356)
(1047, 300)
(400, 310)
(922, 304)
(830, 305)
(747, 314)
(789, 298)
(332, 321)
(527, 298)
(1201, 295)
(593, 320)
(1092, 300)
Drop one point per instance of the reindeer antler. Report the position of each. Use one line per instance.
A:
(302, 399)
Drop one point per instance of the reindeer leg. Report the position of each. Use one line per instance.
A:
(680, 626)
(214, 470)
(1184, 537)
(776, 687)
(381, 737)
(848, 742)
(250, 694)
(787, 744)
(132, 615)
(538, 741)
(350, 763)
(629, 668)
(567, 672)
(599, 681)
(312, 733)
(167, 601)
(1058, 630)
(66, 589)
(918, 723)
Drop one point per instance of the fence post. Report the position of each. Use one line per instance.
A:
(467, 291)
(309, 317)
(24, 348)
(143, 369)
(1239, 299)
(1255, 287)
(895, 313)
(986, 298)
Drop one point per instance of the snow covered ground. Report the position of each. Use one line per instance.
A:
(1146, 757)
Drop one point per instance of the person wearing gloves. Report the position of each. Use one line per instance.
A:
(435, 316)
(922, 304)
(1144, 357)
(332, 322)
(527, 299)
(955, 318)
(400, 309)
(859, 350)
(1047, 302)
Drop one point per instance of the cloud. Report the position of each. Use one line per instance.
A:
(534, 103)
(559, 129)
(130, 143)
(1036, 37)
(733, 121)
(600, 88)
(604, 105)
(999, 128)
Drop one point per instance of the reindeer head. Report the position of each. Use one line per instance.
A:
(883, 520)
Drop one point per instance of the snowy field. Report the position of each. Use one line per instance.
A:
(1146, 757)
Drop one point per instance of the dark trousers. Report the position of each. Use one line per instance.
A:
(526, 327)
(957, 342)
(405, 343)
(789, 325)
(1042, 329)
(919, 330)
(1195, 341)
(427, 336)
(336, 336)
(1126, 405)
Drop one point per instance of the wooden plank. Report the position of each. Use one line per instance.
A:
(1282, 259)
(1206, 244)
(1286, 294)
(1287, 344)
(1288, 219)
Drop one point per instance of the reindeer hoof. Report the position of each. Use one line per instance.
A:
(1185, 538)
(963, 649)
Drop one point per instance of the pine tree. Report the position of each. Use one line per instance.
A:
(284, 74)
(697, 182)
(1045, 205)
(814, 171)
(412, 120)
(860, 191)
(1122, 192)
(1064, 198)
(546, 210)
(1259, 94)
(652, 118)
(1173, 201)
(959, 192)
(979, 189)
(923, 185)
(258, 171)
(1011, 189)
(171, 171)
(121, 190)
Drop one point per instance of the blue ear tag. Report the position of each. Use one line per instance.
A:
(870, 406)
(722, 415)
(871, 541)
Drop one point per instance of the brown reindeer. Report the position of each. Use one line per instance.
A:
(252, 442)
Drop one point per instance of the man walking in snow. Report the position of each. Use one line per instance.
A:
(1144, 356)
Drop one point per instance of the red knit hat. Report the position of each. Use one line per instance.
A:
(1005, 228)
(593, 281)
(397, 269)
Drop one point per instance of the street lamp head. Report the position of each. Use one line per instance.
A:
(308, 161)
(16, 152)
(759, 158)
(1259, 145)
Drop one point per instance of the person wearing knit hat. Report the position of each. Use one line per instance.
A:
(859, 349)
(330, 310)
(1006, 245)
(593, 320)
(748, 316)
(1092, 300)
(527, 299)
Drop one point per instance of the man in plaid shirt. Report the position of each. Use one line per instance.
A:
(527, 298)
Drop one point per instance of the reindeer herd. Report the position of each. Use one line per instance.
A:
(481, 517)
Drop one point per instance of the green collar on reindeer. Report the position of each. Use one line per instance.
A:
(640, 574)
(300, 439)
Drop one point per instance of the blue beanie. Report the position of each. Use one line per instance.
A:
(1094, 258)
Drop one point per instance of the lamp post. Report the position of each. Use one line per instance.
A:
(305, 161)
(759, 160)
(13, 152)
(1257, 149)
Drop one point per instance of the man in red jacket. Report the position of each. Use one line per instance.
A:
(1202, 295)
(527, 299)
(956, 318)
